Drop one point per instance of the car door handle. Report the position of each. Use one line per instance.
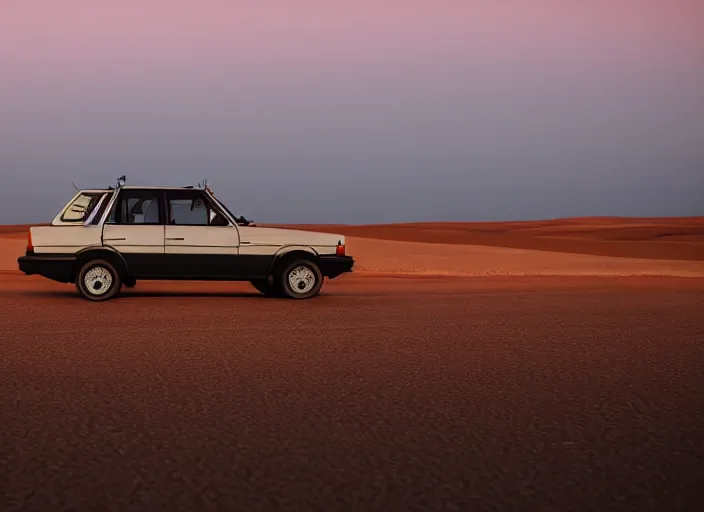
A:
(114, 239)
(175, 238)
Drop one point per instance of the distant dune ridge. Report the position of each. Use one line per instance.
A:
(577, 246)
(680, 238)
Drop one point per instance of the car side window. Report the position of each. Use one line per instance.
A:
(135, 207)
(81, 208)
(191, 209)
(188, 212)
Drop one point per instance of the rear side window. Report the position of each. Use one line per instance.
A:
(137, 207)
(81, 207)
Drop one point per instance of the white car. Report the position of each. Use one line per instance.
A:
(103, 239)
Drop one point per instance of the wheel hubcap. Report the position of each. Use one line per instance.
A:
(97, 280)
(301, 279)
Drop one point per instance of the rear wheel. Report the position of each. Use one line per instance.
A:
(98, 280)
(301, 279)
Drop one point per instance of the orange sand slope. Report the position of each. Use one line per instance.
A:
(590, 246)
(680, 238)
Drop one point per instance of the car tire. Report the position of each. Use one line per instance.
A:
(301, 279)
(270, 289)
(98, 280)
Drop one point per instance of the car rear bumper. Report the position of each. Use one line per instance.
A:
(55, 267)
(333, 266)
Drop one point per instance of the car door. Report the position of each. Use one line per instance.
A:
(199, 241)
(135, 228)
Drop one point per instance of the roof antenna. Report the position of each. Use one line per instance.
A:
(121, 181)
(74, 186)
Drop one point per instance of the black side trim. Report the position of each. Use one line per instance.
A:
(61, 268)
(333, 266)
(193, 277)
(220, 267)
(54, 267)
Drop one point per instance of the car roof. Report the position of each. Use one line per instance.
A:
(158, 187)
(139, 187)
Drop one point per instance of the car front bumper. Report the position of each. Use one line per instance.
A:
(333, 266)
(55, 267)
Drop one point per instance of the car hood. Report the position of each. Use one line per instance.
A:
(279, 236)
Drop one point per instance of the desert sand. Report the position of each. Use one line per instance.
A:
(563, 247)
(385, 393)
(396, 389)
(680, 238)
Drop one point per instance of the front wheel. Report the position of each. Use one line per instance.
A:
(301, 279)
(98, 280)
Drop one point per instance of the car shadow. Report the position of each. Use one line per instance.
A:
(149, 294)
(165, 293)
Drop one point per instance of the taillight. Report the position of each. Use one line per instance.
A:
(30, 247)
(340, 250)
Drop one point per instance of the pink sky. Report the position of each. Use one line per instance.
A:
(372, 30)
(518, 109)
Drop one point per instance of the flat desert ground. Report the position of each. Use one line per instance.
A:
(552, 365)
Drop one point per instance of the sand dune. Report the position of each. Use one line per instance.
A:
(10, 249)
(386, 256)
(590, 246)
(656, 238)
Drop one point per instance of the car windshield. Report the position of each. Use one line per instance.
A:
(227, 210)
